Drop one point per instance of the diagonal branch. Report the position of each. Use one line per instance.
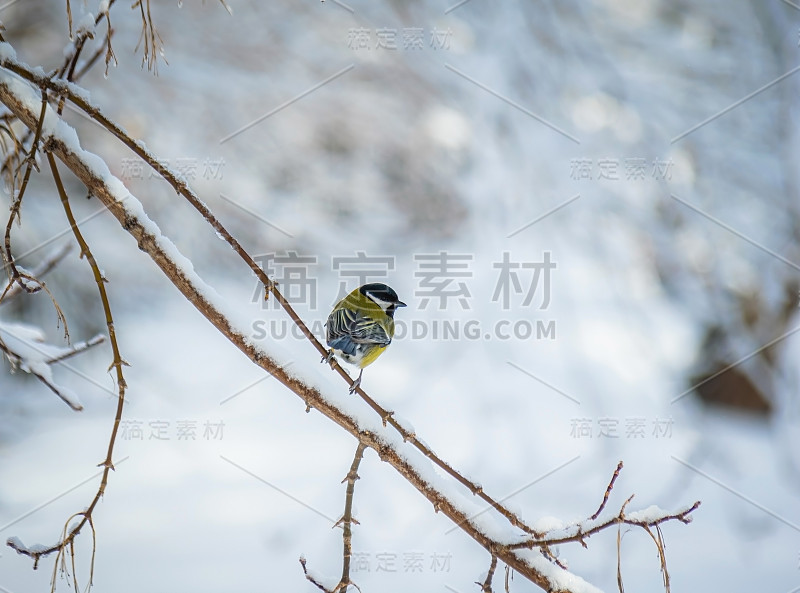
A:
(61, 88)
(61, 141)
(93, 173)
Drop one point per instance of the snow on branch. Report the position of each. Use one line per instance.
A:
(48, 263)
(26, 349)
(78, 97)
(511, 542)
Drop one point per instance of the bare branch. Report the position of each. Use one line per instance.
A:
(347, 535)
(153, 45)
(16, 360)
(486, 585)
(619, 559)
(608, 491)
(78, 348)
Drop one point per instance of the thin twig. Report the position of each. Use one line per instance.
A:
(581, 534)
(486, 585)
(16, 359)
(547, 553)
(346, 522)
(69, 18)
(16, 201)
(25, 281)
(117, 364)
(608, 491)
(659, 542)
(153, 44)
(619, 559)
(46, 265)
(78, 348)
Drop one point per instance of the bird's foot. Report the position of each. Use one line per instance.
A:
(356, 383)
(328, 359)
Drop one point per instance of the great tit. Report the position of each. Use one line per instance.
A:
(361, 326)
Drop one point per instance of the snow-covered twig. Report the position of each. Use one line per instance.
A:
(48, 263)
(78, 348)
(62, 141)
(26, 349)
(579, 532)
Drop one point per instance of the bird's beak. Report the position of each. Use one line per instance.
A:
(400, 304)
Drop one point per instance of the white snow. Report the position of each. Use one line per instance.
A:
(86, 24)
(544, 524)
(28, 343)
(647, 515)
(7, 52)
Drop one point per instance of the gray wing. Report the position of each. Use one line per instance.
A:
(345, 326)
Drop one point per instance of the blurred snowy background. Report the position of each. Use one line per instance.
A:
(649, 147)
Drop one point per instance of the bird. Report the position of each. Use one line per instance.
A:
(361, 326)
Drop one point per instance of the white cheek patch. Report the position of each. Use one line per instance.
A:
(380, 302)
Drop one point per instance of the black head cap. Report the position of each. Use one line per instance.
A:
(383, 295)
